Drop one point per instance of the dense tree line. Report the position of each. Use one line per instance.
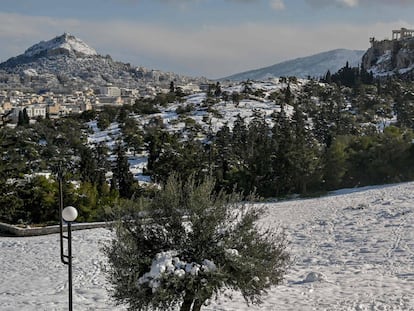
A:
(319, 147)
(320, 137)
(350, 76)
(289, 158)
(28, 151)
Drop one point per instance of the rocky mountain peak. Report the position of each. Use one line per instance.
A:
(65, 44)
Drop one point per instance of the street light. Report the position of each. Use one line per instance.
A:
(69, 215)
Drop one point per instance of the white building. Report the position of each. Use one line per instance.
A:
(33, 111)
(110, 91)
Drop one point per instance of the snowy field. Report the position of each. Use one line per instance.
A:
(353, 250)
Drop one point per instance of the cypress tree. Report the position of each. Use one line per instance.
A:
(123, 176)
(26, 119)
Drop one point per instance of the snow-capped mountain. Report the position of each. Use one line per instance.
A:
(66, 63)
(312, 66)
(65, 43)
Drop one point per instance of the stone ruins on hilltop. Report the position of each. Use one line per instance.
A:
(390, 57)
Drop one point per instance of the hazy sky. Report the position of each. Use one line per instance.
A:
(212, 38)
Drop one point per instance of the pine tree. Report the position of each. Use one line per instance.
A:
(335, 163)
(217, 91)
(304, 153)
(282, 137)
(223, 153)
(259, 151)
(247, 87)
(23, 118)
(289, 97)
(191, 244)
(235, 98)
(20, 120)
(239, 140)
(328, 77)
(87, 165)
(122, 175)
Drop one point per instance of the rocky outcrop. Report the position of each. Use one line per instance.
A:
(389, 57)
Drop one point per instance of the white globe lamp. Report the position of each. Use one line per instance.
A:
(69, 214)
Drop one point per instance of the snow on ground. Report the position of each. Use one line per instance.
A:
(108, 136)
(352, 250)
(226, 114)
(358, 244)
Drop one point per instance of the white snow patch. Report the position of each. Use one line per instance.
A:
(30, 72)
(314, 277)
(168, 263)
(66, 41)
(232, 252)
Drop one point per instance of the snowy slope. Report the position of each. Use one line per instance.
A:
(353, 250)
(312, 66)
(173, 122)
(66, 42)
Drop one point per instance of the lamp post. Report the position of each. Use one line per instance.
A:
(69, 215)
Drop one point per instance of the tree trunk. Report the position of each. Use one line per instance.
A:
(197, 305)
(187, 303)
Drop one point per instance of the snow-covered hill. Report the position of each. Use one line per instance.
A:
(66, 63)
(312, 66)
(65, 43)
(352, 250)
(226, 112)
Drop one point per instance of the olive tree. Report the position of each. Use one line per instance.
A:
(190, 244)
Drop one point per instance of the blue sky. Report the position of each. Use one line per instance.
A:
(212, 38)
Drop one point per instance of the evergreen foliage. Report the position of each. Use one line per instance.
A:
(350, 76)
(145, 107)
(23, 118)
(122, 177)
(319, 137)
(37, 148)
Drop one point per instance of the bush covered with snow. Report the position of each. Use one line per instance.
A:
(191, 245)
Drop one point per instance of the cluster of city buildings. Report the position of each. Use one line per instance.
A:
(50, 105)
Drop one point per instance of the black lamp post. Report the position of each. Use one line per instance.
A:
(68, 214)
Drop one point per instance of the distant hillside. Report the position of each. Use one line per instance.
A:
(315, 66)
(66, 63)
